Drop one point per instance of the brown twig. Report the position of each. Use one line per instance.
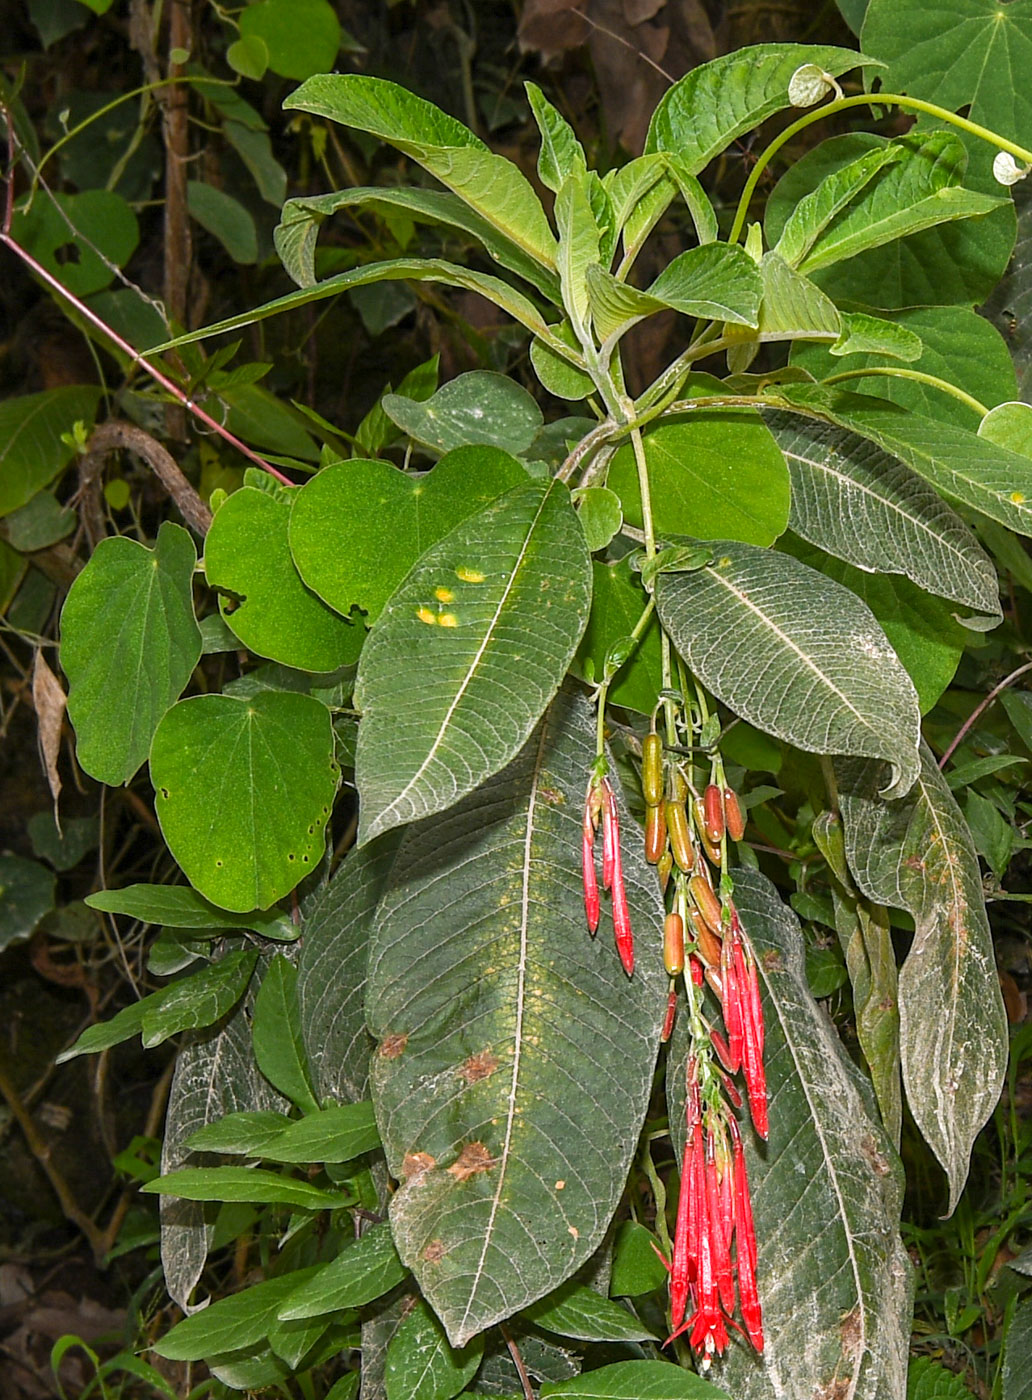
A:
(115, 435)
(518, 1362)
(981, 708)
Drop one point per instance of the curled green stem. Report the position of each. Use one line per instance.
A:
(898, 372)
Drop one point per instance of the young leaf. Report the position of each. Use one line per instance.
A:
(361, 1273)
(420, 1361)
(578, 250)
(815, 211)
(864, 334)
(793, 307)
(476, 409)
(764, 634)
(278, 1045)
(244, 1184)
(835, 1282)
(31, 448)
(389, 519)
(573, 1310)
(243, 791)
(702, 114)
(129, 641)
(855, 501)
(916, 854)
(490, 184)
(512, 1125)
(231, 1323)
(716, 280)
(562, 155)
(246, 554)
(198, 1000)
(519, 570)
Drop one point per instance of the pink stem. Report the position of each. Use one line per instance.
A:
(981, 708)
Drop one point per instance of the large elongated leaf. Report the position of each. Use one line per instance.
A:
(129, 640)
(703, 113)
(490, 184)
(795, 654)
(331, 971)
(515, 1056)
(487, 622)
(917, 854)
(298, 230)
(855, 501)
(834, 1279)
(969, 468)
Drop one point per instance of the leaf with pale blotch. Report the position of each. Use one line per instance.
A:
(855, 501)
(514, 1055)
(917, 854)
(467, 653)
(420, 1361)
(795, 654)
(833, 1276)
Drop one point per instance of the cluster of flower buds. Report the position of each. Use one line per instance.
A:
(713, 1212)
(600, 802)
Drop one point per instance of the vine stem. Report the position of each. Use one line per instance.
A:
(518, 1362)
(980, 710)
(898, 372)
(865, 99)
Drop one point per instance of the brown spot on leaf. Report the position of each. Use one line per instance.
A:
(434, 1252)
(392, 1046)
(478, 1066)
(473, 1158)
(773, 961)
(552, 795)
(416, 1163)
(851, 1332)
(877, 1159)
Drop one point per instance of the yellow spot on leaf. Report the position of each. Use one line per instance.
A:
(469, 575)
(444, 595)
(426, 615)
(1018, 497)
(448, 620)
(560, 1185)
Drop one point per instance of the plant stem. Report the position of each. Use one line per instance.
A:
(866, 99)
(897, 372)
(517, 1361)
(981, 708)
(641, 462)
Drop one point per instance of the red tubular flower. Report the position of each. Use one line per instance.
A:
(720, 1222)
(745, 980)
(591, 899)
(671, 1012)
(745, 1244)
(621, 913)
(610, 834)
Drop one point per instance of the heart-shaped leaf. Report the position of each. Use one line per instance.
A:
(467, 654)
(511, 1124)
(243, 791)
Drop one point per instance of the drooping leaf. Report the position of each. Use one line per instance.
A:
(573, 1310)
(715, 473)
(421, 1361)
(488, 621)
(243, 791)
(815, 211)
(476, 409)
(178, 906)
(129, 641)
(767, 636)
(489, 183)
(198, 1000)
(707, 109)
(388, 519)
(793, 307)
(331, 971)
(360, 1273)
(855, 501)
(514, 1150)
(617, 602)
(31, 448)
(834, 1279)
(916, 854)
(246, 554)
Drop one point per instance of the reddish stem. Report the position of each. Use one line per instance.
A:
(981, 708)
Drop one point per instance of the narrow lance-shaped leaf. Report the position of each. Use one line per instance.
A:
(815, 211)
(562, 155)
(834, 1279)
(514, 1056)
(917, 854)
(855, 501)
(487, 622)
(794, 654)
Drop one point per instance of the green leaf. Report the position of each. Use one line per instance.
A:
(26, 894)
(578, 249)
(129, 642)
(246, 554)
(793, 307)
(62, 849)
(490, 184)
(389, 519)
(555, 371)
(243, 790)
(572, 1310)
(598, 510)
(916, 854)
(707, 109)
(855, 501)
(714, 472)
(517, 1175)
(278, 1045)
(866, 939)
(198, 1000)
(230, 1323)
(815, 211)
(40, 522)
(245, 1134)
(715, 281)
(225, 218)
(31, 448)
(764, 634)
(1017, 1357)
(361, 1273)
(864, 334)
(244, 1184)
(331, 971)
(488, 621)
(249, 57)
(1009, 425)
(178, 906)
(956, 344)
(376, 431)
(617, 602)
(302, 37)
(420, 1361)
(637, 1268)
(122, 1026)
(298, 229)
(992, 834)
(958, 463)
(930, 1380)
(562, 155)
(476, 409)
(81, 239)
(637, 1380)
(259, 417)
(835, 1282)
(254, 148)
(335, 1134)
